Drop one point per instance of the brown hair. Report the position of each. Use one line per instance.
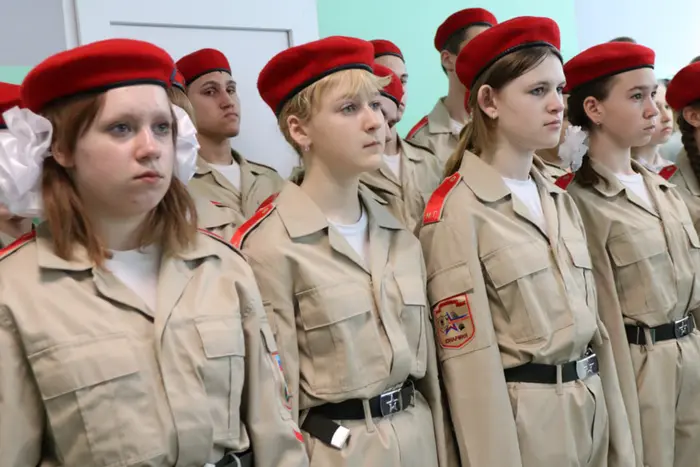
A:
(179, 98)
(172, 224)
(304, 104)
(600, 90)
(477, 133)
(690, 143)
(623, 39)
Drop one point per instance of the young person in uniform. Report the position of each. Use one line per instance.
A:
(214, 216)
(11, 226)
(127, 336)
(388, 54)
(439, 130)
(405, 180)
(550, 162)
(342, 280)
(649, 155)
(223, 175)
(684, 97)
(509, 275)
(645, 252)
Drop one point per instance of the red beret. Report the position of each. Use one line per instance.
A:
(9, 98)
(179, 80)
(294, 69)
(503, 39)
(684, 88)
(96, 67)
(201, 62)
(460, 20)
(384, 47)
(608, 59)
(393, 90)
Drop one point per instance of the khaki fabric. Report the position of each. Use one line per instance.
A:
(350, 330)
(437, 135)
(5, 240)
(91, 376)
(421, 173)
(552, 171)
(688, 187)
(504, 293)
(258, 182)
(646, 264)
(217, 218)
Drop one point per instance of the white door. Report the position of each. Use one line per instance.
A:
(249, 33)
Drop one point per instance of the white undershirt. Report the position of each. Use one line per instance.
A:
(456, 127)
(635, 183)
(357, 235)
(232, 172)
(526, 191)
(394, 163)
(138, 270)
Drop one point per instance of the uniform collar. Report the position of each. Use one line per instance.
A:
(47, 258)
(687, 173)
(302, 217)
(211, 216)
(439, 118)
(413, 153)
(204, 168)
(488, 185)
(609, 185)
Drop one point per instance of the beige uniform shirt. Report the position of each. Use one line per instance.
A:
(349, 330)
(688, 187)
(646, 264)
(504, 292)
(548, 169)
(217, 217)
(421, 173)
(91, 376)
(435, 132)
(5, 240)
(258, 182)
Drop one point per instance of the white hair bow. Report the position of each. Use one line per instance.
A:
(27, 143)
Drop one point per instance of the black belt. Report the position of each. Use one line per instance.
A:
(547, 374)
(675, 330)
(319, 421)
(244, 459)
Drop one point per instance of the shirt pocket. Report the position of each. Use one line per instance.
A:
(583, 269)
(528, 291)
(412, 311)
(99, 407)
(644, 274)
(223, 371)
(341, 346)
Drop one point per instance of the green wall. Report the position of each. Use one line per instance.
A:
(411, 24)
(13, 74)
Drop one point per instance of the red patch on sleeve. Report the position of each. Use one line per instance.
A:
(453, 322)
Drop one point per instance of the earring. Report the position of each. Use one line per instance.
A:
(307, 148)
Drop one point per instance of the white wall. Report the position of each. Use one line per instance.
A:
(670, 27)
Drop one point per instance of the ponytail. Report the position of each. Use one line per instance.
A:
(466, 143)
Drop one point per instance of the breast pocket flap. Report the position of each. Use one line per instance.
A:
(221, 336)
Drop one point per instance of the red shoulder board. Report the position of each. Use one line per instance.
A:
(263, 211)
(24, 239)
(268, 200)
(433, 210)
(564, 181)
(423, 121)
(668, 171)
(218, 204)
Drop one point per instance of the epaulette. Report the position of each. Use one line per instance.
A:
(421, 123)
(17, 244)
(242, 232)
(564, 181)
(668, 171)
(268, 200)
(436, 203)
(221, 239)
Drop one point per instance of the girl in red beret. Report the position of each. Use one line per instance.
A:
(342, 280)
(526, 362)
(645, 252)
(649, 155)
(684, 97)
(127, 335)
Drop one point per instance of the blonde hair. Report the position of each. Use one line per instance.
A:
(477, 134)
(179, 98)
(305, 104)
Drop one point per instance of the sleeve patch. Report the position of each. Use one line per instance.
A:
(453, 322)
